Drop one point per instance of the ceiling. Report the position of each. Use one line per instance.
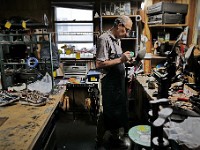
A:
(87, 4)
(82, 5)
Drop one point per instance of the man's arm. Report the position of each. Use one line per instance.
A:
(107, 63)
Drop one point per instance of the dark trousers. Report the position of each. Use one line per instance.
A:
(101, 129)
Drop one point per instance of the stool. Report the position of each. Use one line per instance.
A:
(141, 136)
(160, 142)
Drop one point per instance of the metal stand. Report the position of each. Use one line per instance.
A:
(159, 142)
(154, 115)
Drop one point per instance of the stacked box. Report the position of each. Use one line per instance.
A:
(167, 13)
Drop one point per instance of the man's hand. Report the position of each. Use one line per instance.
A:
(125, 56)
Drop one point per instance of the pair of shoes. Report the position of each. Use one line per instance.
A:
(33, 102)
(7, 98)
(33, 98)
(118, 143)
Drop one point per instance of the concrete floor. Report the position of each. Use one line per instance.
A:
(78, 134)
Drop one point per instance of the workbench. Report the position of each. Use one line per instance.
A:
(142, 95)
(29, 127)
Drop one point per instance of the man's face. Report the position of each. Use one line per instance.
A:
(124, 30)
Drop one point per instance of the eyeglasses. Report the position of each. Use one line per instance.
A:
(127, 30)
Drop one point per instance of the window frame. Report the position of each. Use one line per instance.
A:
(55, 22)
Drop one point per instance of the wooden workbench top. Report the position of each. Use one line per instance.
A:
(149, 92)
(25, 123)
(142, 79)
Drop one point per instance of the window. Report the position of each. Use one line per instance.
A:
(74, 27)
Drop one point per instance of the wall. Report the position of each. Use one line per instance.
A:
(33, 9)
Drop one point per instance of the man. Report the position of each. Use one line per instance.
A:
(110, 60)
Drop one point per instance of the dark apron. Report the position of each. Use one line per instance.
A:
(114, 98)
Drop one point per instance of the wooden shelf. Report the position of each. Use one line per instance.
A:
(114, 16)
(168, 25)
(171, 42)
(158, 57)
(22, 42)
(155, 57)
(28, 25)
(74, 59)
(128, 38)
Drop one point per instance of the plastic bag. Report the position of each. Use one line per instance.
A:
(43, 86)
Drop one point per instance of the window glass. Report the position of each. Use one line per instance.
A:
(69, 14)
(78, 46)
(75, 31)
(78, 34)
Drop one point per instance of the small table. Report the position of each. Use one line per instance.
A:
(141, 136)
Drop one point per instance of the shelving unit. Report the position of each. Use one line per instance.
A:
(166, 21)
(7, 40)
(173, 29)
(168, 25)
(104, 22)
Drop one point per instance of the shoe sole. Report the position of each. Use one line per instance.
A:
(9, 102)
(32, 104)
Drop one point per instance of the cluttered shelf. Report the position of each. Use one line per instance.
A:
(115, 16)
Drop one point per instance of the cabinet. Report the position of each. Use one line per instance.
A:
(19, 62)
(109, 11)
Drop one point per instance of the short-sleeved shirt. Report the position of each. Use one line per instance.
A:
(107, 47)
(112, 82)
